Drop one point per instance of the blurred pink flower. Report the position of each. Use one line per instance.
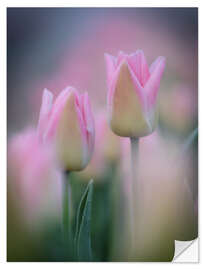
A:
(33, 177)
(166, 198)
(178, 108)
(166, 191)
(132, 93)
(69, 124)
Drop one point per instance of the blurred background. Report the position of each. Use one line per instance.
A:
(57, 47)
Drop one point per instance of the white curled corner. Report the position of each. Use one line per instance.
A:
(186, 251)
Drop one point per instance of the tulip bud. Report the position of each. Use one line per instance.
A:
(69, 124)
(132, 93)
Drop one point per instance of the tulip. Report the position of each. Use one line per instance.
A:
(69, 125)
(133, 112)
(132, 93)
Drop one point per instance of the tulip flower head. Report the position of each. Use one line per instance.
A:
(69, 125)
(132, 93)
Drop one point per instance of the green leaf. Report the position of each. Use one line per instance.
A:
(83, 225)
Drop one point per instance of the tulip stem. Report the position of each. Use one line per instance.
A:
(134, 163)
(135, 190)
(66, 215)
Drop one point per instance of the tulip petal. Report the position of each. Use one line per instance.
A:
(127, 106)
(152, 85)
(89, 122)
(70, 132)
(71, 129)
(138, 63)
(112, 85)
(154, 64)
(138, 87)
(121, 56)
(62, 96)
(58, 106)
(45, 110)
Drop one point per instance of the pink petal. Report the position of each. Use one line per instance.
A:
(138, 63)
(45, 110)
(60, 98)
(127, 108)
(89, 121)
(138, 87)
(154, 64)
(81, 124)
(121, 56)
(152, 85)
(112, 85)
(72, 133)
(56, 111)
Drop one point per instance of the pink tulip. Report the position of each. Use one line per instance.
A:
(132, 93)
(34, 181)
(69, 125)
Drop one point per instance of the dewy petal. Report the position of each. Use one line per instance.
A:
(138, 63)
(110, 67)
(153, 84)
(127, 109)
(47, 99)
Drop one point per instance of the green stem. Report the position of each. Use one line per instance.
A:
(134, 166)
(135, 191)
(66, 215)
